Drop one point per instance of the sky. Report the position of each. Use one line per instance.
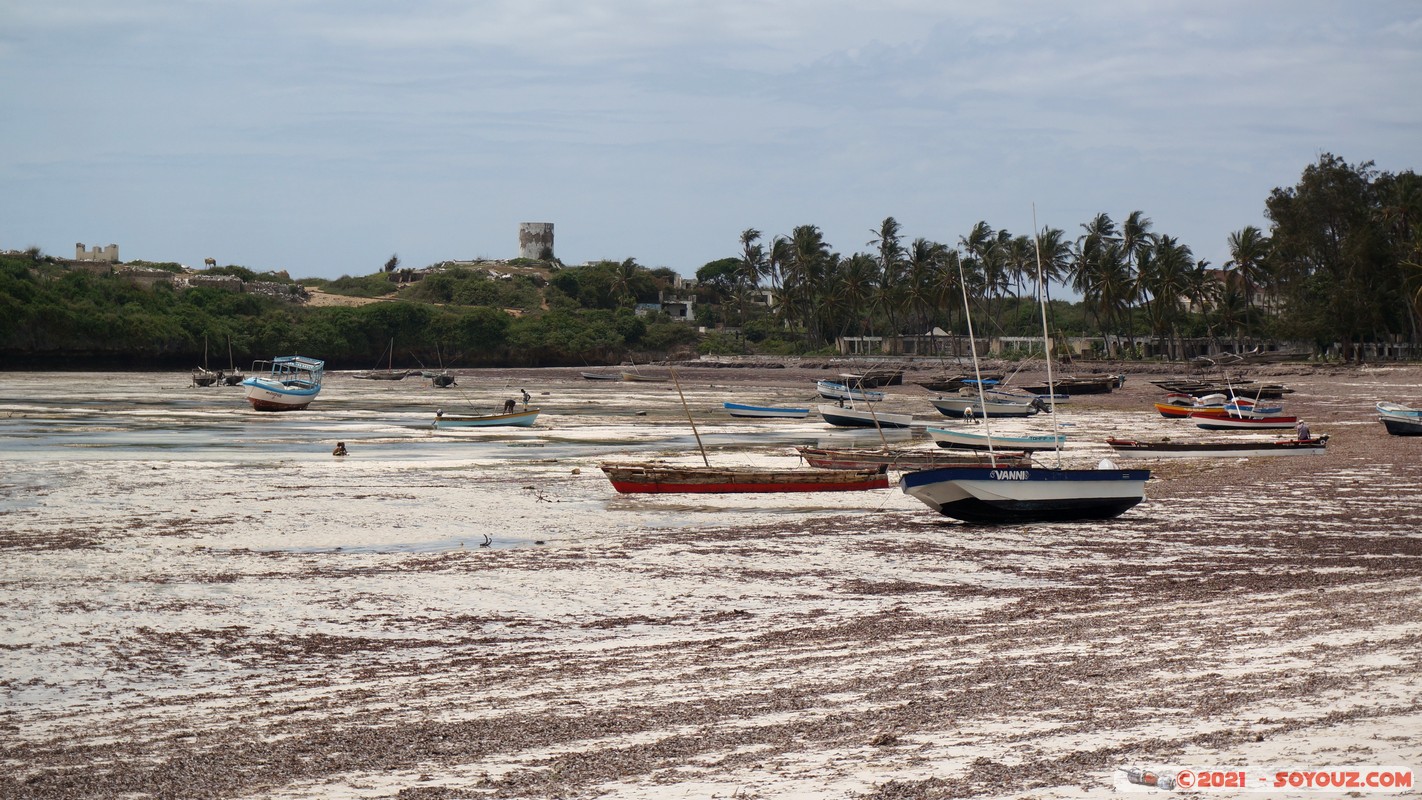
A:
(321, 137)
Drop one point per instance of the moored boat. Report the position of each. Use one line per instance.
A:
(1219, 419)
(863, 418)
(768, 412)
(601, 376)
(656, 478)
(839, 391)
(285, 383)
(972, 440)
(1229, 448)
(1400, 420)
(906, 459)
(1027, 494)
(520, 419)
(974, 406)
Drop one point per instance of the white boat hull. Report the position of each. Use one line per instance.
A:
(973, 440)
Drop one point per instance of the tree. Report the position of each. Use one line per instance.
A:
(392, 263)
(1248, 264)
(1334, 253)
(889, 284)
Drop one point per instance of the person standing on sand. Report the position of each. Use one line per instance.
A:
(526, 398)
(1302, 428)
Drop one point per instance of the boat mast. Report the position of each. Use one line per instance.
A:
(1046, 341)
(977, 372)
(687, 409)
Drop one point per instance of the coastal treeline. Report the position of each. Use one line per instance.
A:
(1338, 266)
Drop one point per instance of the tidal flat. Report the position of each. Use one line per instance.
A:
(199, 600)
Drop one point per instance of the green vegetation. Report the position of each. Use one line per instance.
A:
(1341, 265)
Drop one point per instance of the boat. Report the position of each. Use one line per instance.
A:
(663, 478)
(1237, 386)
(832, 390)
(1090, 384)
(975, 406)
(1225, 448)
(440, 380)
(773, 412)
(1030, 493)
(874, 378)
(1027, 494)
(521, 419)
(285, 383)
(972, 440)
(1178, 405)
(637, 377)
(956, 382)
(601, 376)
(862, 418)
(202, 376)
(905, 459)
(233, 376)
(1219, 419)
(389, 373)
(660, 478)
(1400, 420)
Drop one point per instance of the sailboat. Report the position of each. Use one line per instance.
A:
(1033, 493)
(389, 373)
(663, 478)
(202, 376)
(233, 376)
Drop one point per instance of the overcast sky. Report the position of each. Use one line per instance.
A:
(323, 136)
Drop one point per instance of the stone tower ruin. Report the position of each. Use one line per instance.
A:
(535, 240)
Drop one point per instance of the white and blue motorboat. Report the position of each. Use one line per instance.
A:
(285, 383)
(977, 407)
(765, 412)
(1027, 494)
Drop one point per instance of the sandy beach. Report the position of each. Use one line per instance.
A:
(198, 600)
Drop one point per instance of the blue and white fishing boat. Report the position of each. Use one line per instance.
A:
(1399, 419)
(1027, 494)
(1030, 494)
(768, 412)
(286, 383)
(839, 391)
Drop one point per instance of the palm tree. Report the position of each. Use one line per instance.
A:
(1249, 262)
(1165, 276)
(809, 260)
(850, 291)
(926, 262)
(752, 267)
(890, 253)
(624, 281)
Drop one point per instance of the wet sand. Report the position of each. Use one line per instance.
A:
(238, 623)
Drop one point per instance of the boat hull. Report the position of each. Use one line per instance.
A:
(958, 407)
(859, 418)
(968, 440)
(838, 391)
(668, 479)
(768, 412)
(1127, 448)
(1032, 494)
(906, 460)
(1402, 426)
(518, 419)
(266, 394)
(1221, 420)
